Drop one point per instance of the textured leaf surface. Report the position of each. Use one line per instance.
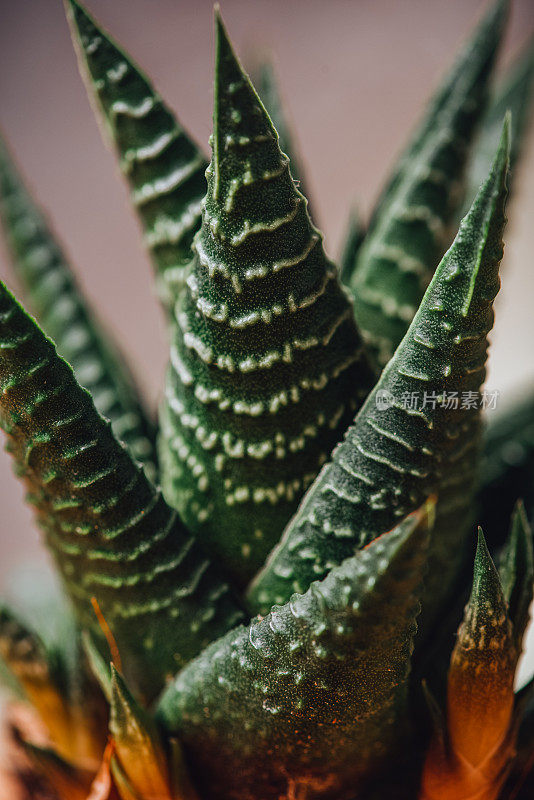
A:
(55, 298)
(267, 367)
(163, 166)
(399, 451)
(480, 697)
(324, 674)
(269, 92)
(516, 571)
(513, 94)
(111, 532)
(411, 228)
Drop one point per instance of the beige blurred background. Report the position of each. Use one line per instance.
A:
(355, 75)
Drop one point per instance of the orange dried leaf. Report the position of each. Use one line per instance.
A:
(470, 761)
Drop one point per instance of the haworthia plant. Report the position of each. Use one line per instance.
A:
(506, 467)
(163, 166)
(517, 573)
(415, 434)
(269, 91)
(324, 673)
(151, 684)
(267, 367)
(411, 227)
(75, 722)
(139, 760)
(111, 532)
(52, 291)
(471, 756)
(513, 94)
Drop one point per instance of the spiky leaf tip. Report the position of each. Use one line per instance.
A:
(479, 739)
(325, 673)
(516, 570)
(162, 164)
(112, 535)
(412, 226)
(138, 752)
(269, 91)
(267, 367)
(52, 291)
(515, 94)
(418, 432)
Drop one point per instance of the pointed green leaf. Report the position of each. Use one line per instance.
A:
(506, 469)
(111, 533)
(137, 745)
(354, 236)
(411, 229)
(267, 367)
(269, 92)
(163, 166)
(324, 674)
(517, 573)
(514, 94)
(98, 665)
(57, 302)
(409, 440)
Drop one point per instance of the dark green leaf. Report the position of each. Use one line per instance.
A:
(409, 440)
(163, 166)
(325, 674)
(267, 368)
(111, 533)
(514, 94)
(412, 226)
(506, 469)
(56, 300)
(517, 573)
(269, 92)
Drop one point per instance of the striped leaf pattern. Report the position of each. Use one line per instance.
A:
(267, 367)
(163, 166)
(514, 93)
(269, 91)
(55, 297)
(111, 532)
(412, 226)
(409, 439)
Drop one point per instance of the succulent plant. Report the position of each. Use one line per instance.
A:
(261, 591)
